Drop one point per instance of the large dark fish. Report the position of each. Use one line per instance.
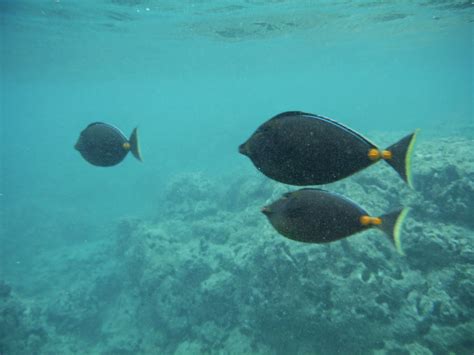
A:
(102, 144)
(300, 148)
(318, 216)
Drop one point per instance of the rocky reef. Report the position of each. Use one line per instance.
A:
(21, 331)
(209, 274)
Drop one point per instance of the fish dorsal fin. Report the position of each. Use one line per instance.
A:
(340, 125)
(324, 119)
(288, 113)
(331, 193)
(312, 189)
(118, 130)
(96, 123)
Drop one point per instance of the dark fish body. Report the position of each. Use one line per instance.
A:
(104, 145)
(301, 149)
(318, 216)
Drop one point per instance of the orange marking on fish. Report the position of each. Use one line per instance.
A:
(386, 154)
(374, 154)
(365, 220)
(376, 221)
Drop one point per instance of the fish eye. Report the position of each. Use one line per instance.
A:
(286, 195)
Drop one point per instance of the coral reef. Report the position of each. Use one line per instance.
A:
(209, 274)
(20, 329)
(448, 183)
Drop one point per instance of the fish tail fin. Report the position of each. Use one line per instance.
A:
(134, 145)
(392, 224)
(400, 157)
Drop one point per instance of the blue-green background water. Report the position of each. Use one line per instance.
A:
(197, 77)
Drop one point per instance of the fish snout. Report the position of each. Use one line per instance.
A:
(266, 210)
(243, 149)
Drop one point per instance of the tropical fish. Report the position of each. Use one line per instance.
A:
(102, 144)
(319, 216)
(300, 148)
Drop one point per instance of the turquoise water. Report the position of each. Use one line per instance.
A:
(196, 94)
(197, 78)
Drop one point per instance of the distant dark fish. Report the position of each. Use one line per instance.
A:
(300, 148)
(318, 216)
(102, 144)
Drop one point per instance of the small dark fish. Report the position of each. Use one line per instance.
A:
(102, 144)
(318, 216)
(300, 148)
